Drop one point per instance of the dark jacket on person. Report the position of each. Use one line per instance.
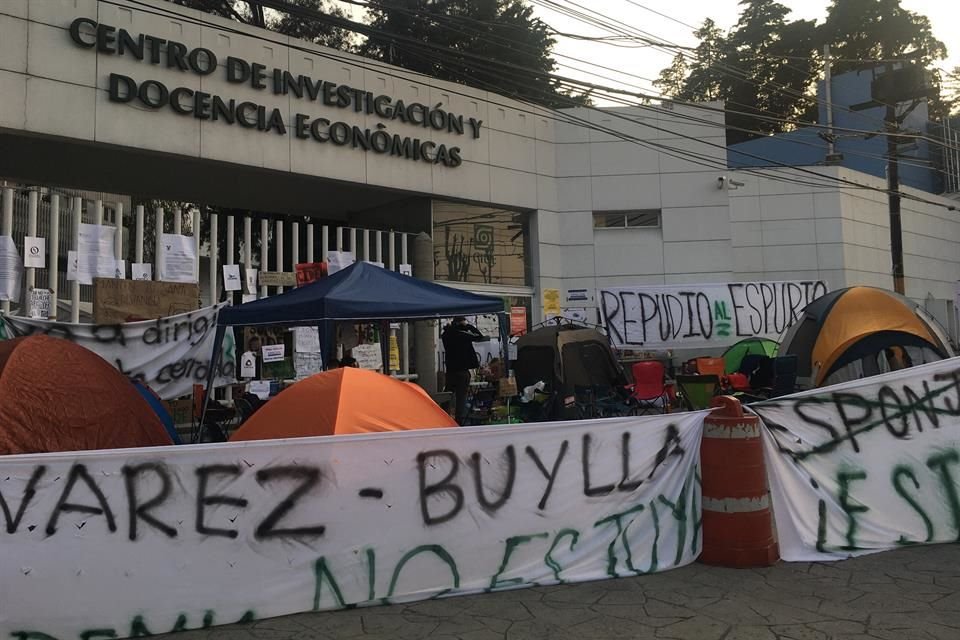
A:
(458, 346)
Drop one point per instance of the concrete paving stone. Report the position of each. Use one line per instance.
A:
(888, 602)
(735, 612)
(626, 612)
(949, 602)
(539, 630)
(843, 611)
(838, 627)
(512, 611)
(636, 598)
(446, 608)
(497, 625)
(784, 612)
(573, 596)
(750, 632)
(562, 614)
(911, 634)
(613, 629)
(656, 608)
(797, 632)
(398, 625)
(699, 628)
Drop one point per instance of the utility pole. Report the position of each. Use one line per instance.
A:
(893, 192)
(828, 94)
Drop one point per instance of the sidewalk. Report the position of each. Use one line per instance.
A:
(909, 594)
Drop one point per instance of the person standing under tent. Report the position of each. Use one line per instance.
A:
(458, 338)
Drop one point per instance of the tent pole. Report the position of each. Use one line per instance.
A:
(211, 376)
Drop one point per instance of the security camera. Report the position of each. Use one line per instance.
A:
(728, 183)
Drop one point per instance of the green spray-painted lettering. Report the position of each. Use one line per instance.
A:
(844, 478)
(511, 544)
(899, 473)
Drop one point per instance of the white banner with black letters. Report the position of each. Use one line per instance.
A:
(867, 465)
(147, 541)
(169, 355)
(702, 315)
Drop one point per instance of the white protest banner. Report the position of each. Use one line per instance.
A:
(406, 269)
(866, 466)
(141, 271)
(170, 355)
(34, 252)
(231, 277)
(175, 538)
(178, 256)
(121, 273)
(11, 269)
(39, 303)
(273, 352)
(702, 315)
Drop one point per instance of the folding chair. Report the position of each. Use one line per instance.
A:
(649, 393)
(711, 366)
(698, 391)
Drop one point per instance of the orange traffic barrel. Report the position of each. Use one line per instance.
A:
(737, 519)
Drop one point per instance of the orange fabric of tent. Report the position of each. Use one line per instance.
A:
(58, 396)
(341, 401)
(858, 313)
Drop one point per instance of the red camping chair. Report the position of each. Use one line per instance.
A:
(649, 391)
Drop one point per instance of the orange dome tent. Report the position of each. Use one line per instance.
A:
(346, 400)
(58, 396)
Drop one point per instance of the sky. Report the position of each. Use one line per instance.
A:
(647, 62)
(634, 68)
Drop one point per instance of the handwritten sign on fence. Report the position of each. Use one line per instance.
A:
(141, 542)
(705, 315)
(867, 465)
(116, 301)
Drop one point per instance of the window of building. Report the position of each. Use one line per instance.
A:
(635, 219)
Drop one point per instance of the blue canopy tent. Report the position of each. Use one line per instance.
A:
(361, 292)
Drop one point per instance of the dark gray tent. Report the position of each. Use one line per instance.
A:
(566, 357)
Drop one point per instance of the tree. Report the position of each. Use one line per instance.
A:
(865, 30)
(290, 24)
(672, 80)
(766, 67)
(491, 44)
(703, 83)
(951, 87)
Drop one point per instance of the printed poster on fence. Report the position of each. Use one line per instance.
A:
(702, 315)
(170, 354)
(174, 538)
(866, 466)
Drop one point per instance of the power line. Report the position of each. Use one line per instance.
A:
(440, 18)
(741, 74)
